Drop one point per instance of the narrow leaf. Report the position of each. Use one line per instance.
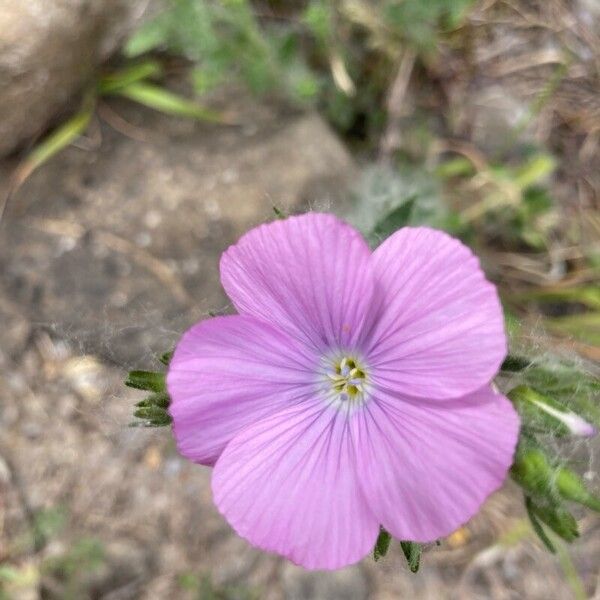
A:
(117, 80)
(169, 103)
(60, 138)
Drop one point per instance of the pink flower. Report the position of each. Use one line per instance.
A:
(351, 390)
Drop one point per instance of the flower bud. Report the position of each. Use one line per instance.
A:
(541, 413)
(571, 487)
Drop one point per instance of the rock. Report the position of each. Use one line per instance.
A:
(344, 584)
(116, 249)
(48, 50)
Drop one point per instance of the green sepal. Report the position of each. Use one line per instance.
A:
(151, 381)
(382, 544)
(165, 358)
(159, 399)
(531, 406)
(571, 487)
(412, 552)
(279, 214)
(154, 415)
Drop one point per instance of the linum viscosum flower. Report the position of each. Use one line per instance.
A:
(351, 391)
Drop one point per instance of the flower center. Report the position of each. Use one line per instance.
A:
(348, 379)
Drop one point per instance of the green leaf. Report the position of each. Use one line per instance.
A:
(456, 167)
(169, 103)
(584, 327)
(382, 544)
(571, 487)
(151, 381)
(59, 139)
(122, 78)
(587, 295)
(319, 19)
(534, 170)
(412, 552)
(394, 220)
(537, 526)
(150, 36)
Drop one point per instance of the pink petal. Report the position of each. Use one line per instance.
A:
(307, 274)
(228, 372)
(441, 329)
(288, 485)
(426, 467)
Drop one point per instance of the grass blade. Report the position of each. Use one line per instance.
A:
(112, 82)
(165, 101)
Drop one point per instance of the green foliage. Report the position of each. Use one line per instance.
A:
(71, 569)
(163, 100)
(387, 200)
(203, 588)
(339, 55)
(134, 73)
(47, 523)
(225, 42)
(420, 22)
(394, 220)
(513, 201)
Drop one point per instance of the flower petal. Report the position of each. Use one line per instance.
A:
(307, 274)
(426, 467)
(440, 333)
(228, 372)
(288, 485)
